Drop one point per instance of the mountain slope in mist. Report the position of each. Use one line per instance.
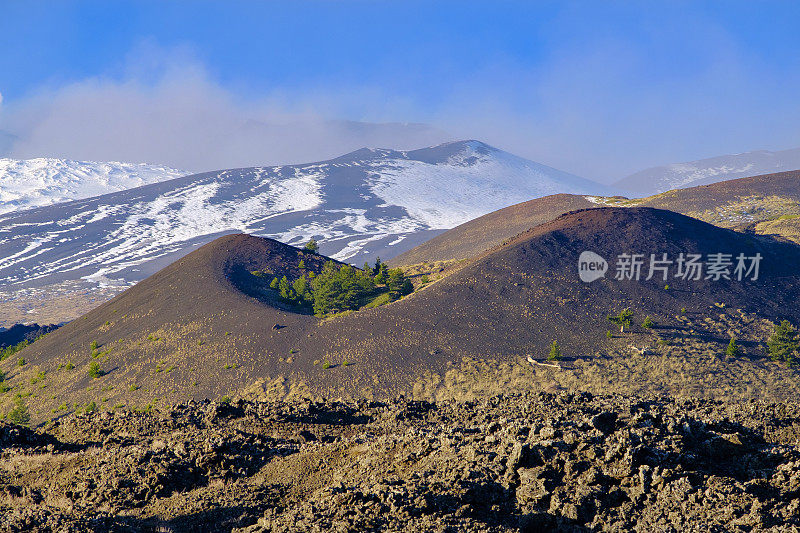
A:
(706, 171)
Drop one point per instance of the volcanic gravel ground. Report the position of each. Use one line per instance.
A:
(531, 462)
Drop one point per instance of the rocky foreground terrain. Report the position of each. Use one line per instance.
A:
(530, 462)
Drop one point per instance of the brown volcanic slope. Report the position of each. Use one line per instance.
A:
(735, 202)
(188, 331)
(478, 235)
(743, 203)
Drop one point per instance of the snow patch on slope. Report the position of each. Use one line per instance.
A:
(39, 182)
(469, 184)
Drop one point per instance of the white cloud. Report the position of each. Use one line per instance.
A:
(166, 109)
(599, 109)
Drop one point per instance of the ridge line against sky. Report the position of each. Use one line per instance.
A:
(600, 90)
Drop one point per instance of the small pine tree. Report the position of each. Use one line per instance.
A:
(312, 246)
(381, 272)
(783, 343)
(623, 319)
(555, 352)
(274, 284)
(398, 284)
(609, 335)
(733, 349)
(301, 265)
(302, 290)
(285, 289)
(19, 414)
(94, 370)
(648, 323)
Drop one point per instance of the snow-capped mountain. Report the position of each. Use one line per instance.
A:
(27, 183)
(366, 203)
(704, 171)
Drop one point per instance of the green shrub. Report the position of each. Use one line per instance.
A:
(424, 279)
(19, 414)
(225, 400)
(648, 323)
(311, 246)
(4, 387)
(622, 319)
(21, 361)
(733, 349)
(38, 377)
(69, 366)
(783, 343)
(609, 335)
(88, 408)
(93, 346)
(555, 352)
(683, 310)
(326, 364)
(94, 370)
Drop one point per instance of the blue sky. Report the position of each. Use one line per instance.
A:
(600, 89)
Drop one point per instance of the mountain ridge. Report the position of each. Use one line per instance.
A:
(358, 206)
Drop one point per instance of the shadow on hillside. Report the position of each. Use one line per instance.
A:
(334, 416)
(16, 436)
(217, 520)
(726, 449)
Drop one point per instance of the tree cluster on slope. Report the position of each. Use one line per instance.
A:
(341, 288)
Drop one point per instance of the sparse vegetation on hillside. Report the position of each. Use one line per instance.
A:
(312, 246)
(7, 352)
